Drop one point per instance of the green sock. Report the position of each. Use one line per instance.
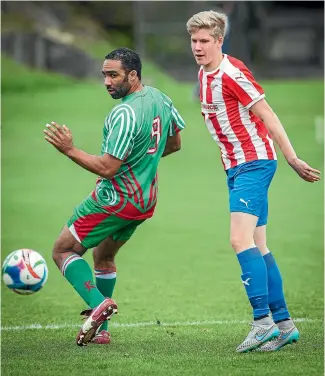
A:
(77, 271)
(105, 282)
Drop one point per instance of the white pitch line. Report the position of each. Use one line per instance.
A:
(141, 324)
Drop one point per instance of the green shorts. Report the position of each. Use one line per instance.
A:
(90, 224)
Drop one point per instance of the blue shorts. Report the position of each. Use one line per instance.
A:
(248, 184)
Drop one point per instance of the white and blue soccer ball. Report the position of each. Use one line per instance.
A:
(24, 271)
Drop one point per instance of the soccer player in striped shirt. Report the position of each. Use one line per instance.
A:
(243, 125)
(137, 132)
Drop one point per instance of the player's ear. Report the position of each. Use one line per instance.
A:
(133, 75)
(220, 41)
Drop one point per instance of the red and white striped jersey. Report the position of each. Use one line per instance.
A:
(226, 95)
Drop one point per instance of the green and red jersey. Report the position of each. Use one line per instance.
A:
(136, 131)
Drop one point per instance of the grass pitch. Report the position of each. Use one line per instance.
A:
(178, 284)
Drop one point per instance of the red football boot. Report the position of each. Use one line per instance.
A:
(95, 319)
(102, 338)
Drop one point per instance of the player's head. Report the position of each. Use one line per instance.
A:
(207, 30)
(122, 70)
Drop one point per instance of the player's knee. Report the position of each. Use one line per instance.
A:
(260, 242)
(235, 242)
(262, 247)
(240, 243)
(55, 254)
(57, 250)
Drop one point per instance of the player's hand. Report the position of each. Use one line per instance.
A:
(59, 136)
(305, 171)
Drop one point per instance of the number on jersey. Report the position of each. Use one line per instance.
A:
(155, 135)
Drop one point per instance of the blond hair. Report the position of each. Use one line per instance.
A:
(216, 22)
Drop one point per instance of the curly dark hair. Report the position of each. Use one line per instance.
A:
(129, 59)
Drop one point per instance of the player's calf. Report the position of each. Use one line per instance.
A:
(67, 254)
(105, 271)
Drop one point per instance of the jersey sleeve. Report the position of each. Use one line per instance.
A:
(120, 124)
(242, 86)
(176, 121)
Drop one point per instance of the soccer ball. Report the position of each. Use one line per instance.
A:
(24, 271)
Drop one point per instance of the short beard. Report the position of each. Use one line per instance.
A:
(120, 93)
(123, 90)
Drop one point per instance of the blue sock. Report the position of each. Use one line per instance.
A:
(276, 299)
(254, 278)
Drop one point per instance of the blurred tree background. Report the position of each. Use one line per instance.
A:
(275, 39)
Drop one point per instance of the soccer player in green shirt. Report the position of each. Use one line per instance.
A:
(137, 132)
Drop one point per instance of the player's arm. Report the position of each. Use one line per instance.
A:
(274, 126)
(173, 144)
(279, 135)
(105, 165)
(177, 124)
(60, 137)
(242, 86)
